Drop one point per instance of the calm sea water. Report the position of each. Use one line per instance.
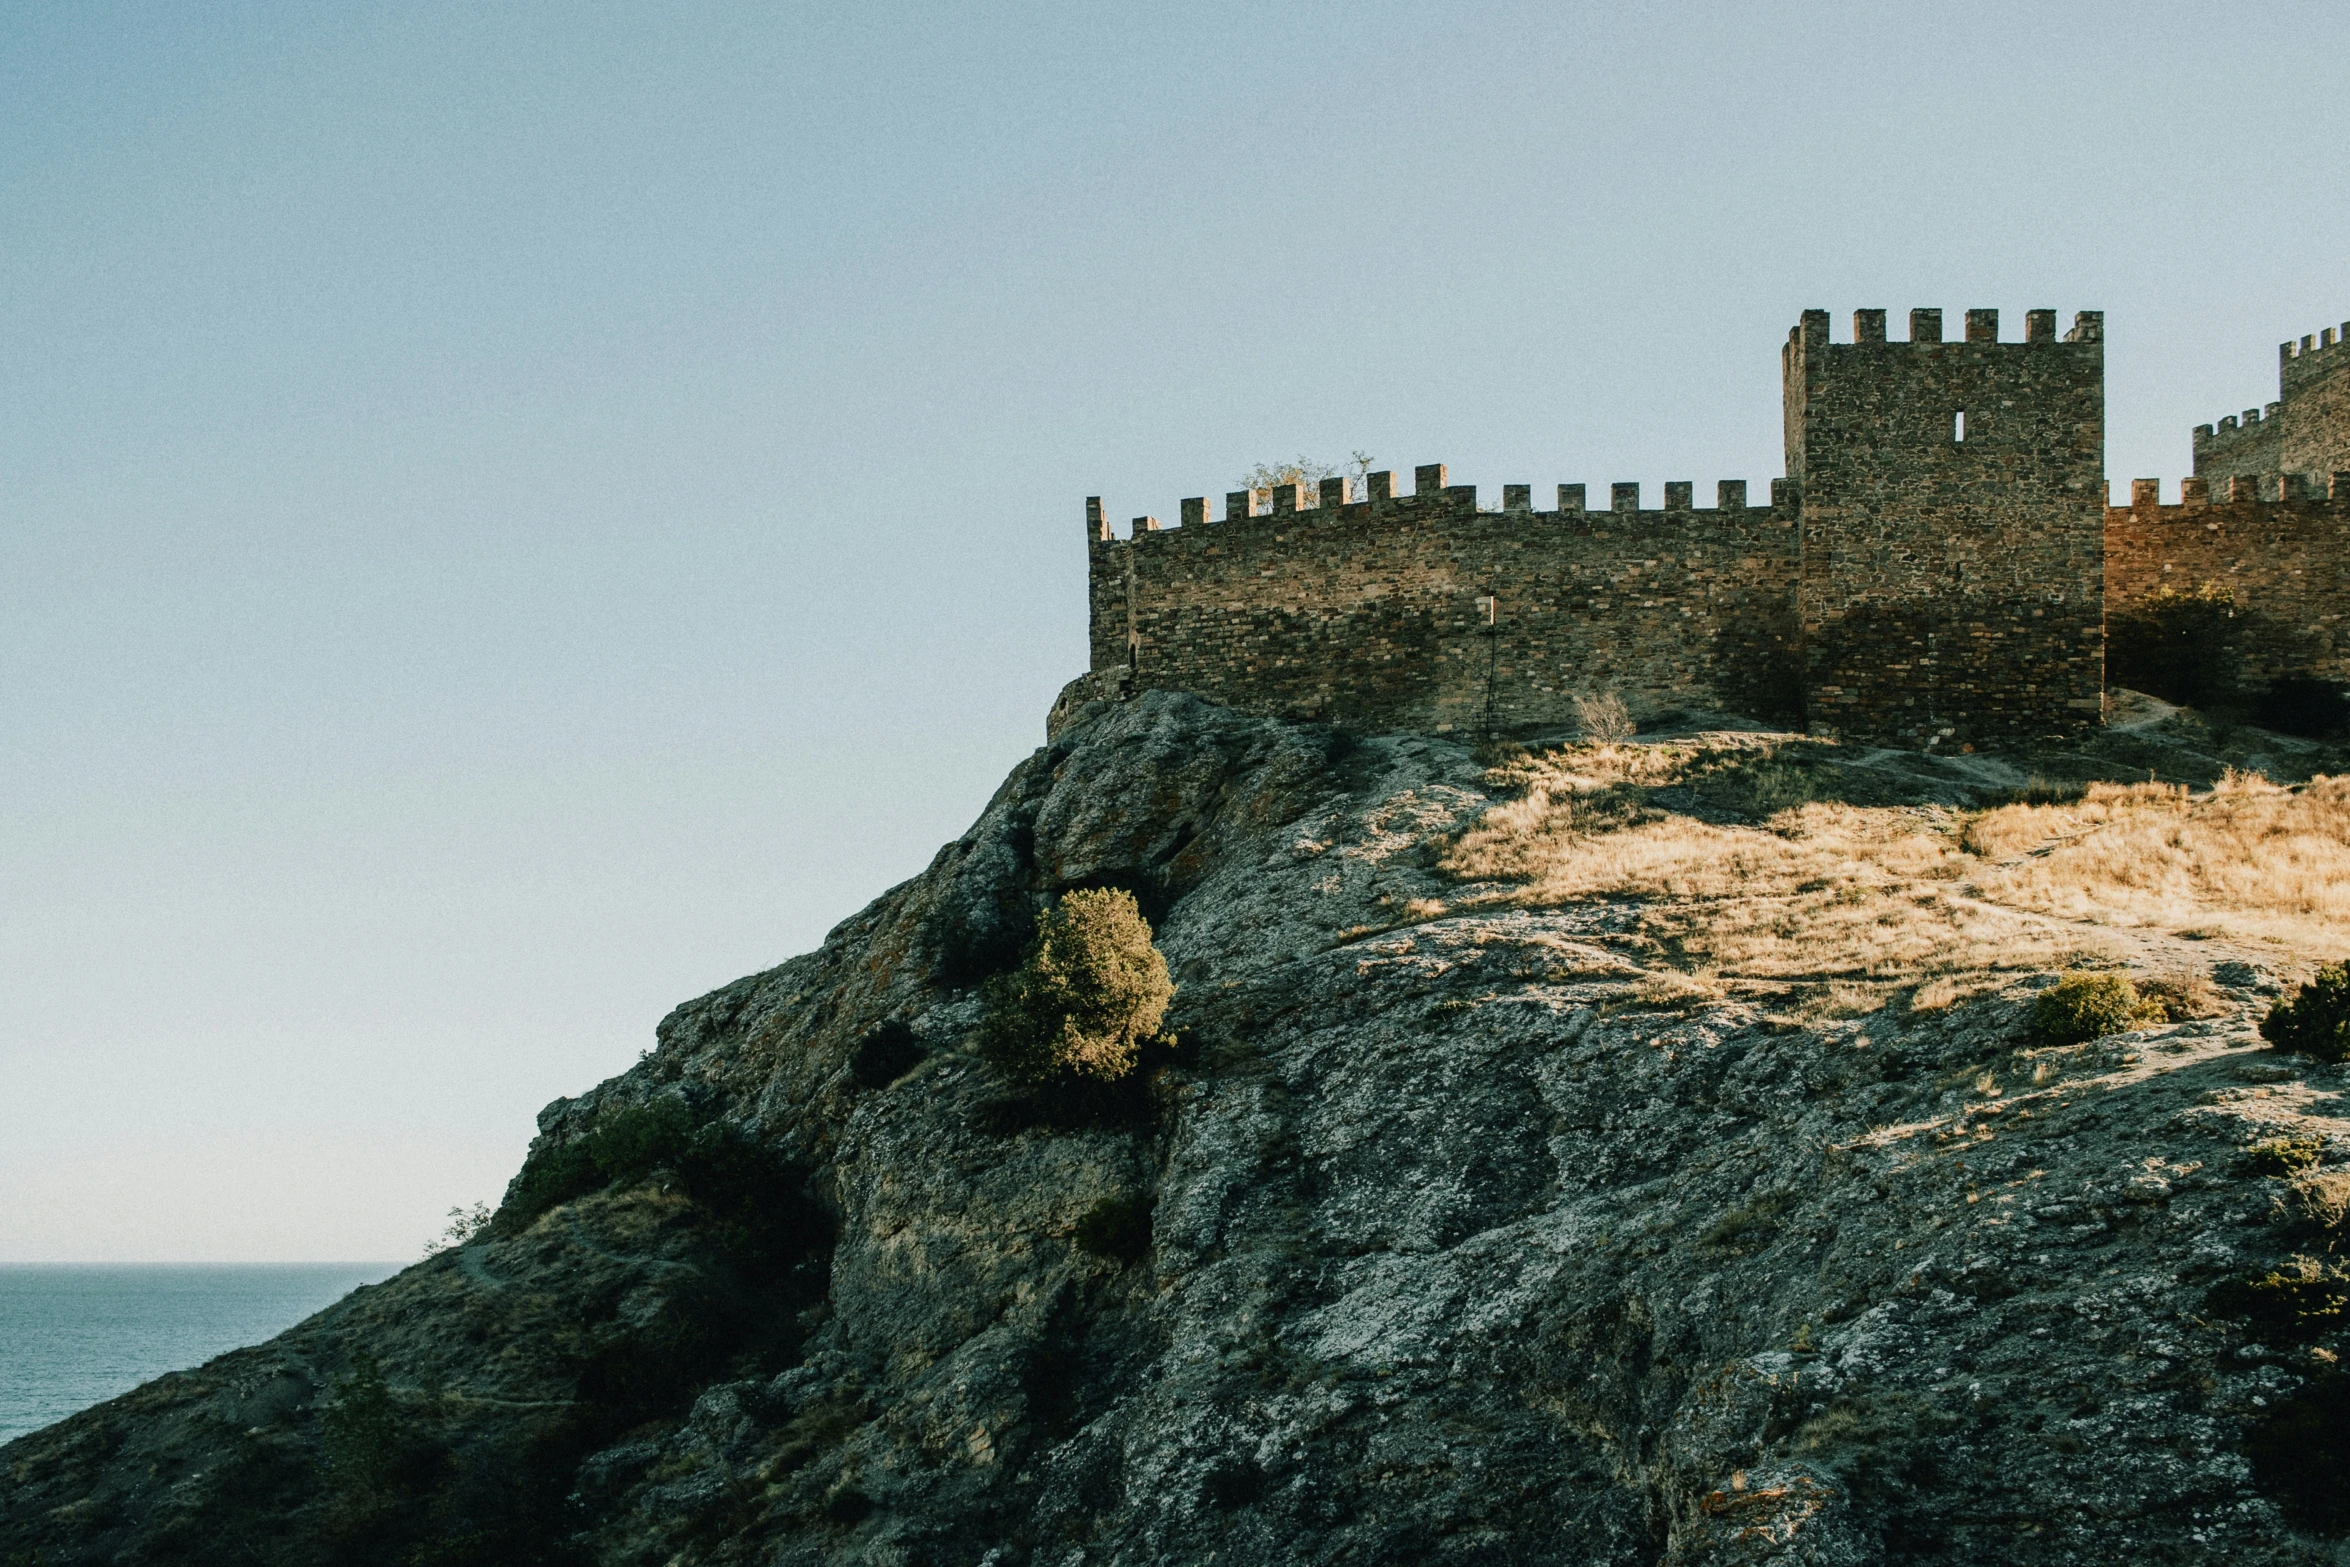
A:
(72, 1336)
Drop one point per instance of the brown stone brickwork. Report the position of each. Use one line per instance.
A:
(2252, 446)
(1953, 527)
(2285, 563)
(2313, 379)
(1420, 611)
(2306, 431)
(1934, 571)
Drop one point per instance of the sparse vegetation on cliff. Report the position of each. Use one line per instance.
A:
(1653, 1125)
(2316, 1020)
(885, 1055)
(2080, 1007)
(752, 1193)
(1840, 870)
(1118, 1228)
(1091, 991)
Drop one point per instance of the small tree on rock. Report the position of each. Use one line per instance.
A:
(1090, 994)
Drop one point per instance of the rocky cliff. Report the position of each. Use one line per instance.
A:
(1619, 1154)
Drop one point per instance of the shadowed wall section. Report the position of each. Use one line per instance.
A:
(2284, 563)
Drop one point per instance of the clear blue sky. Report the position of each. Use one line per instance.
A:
(512, 516)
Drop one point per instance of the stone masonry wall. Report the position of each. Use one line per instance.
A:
(1367, 613)
(2313, 379)
(2286, 564)
(2306, 431)
(1951, 584)
(1914, 580)
(2249, 447)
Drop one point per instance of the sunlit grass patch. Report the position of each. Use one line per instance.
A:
(2247, 859)
(1823, 882)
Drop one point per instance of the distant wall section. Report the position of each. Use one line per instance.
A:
(1422, 612)
(2251, 446)
(2305, 432)
(2313, 381)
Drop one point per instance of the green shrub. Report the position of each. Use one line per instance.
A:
(1750, 1228)
(373, 1452)
(627, 1144)
(2316, 1020)
(2175, 997)
(2284, 1157)
(885, 1055)
(630, 1144)
(2299, 1299)
(2080, 1007)
(551, 1174)
(752, 1191)
(1118, 1228)
(1091, 992)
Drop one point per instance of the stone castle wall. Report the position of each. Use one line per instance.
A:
(1916, 579)
(1421, 611)
(2306, 431)
(2313, 381)
(2246, 447)
(2285, 563)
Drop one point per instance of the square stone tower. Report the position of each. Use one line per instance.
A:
(2313, 388)
(2303, 436)
(1951, 580)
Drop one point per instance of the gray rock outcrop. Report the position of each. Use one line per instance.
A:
(1462, 1242)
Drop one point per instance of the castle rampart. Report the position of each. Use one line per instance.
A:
(2313, 383)
(1935, 570)
(2284, 563)
(1421, 611)
(2251, 446)
(2306, 431)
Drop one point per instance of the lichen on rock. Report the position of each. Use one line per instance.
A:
(1471, 1222)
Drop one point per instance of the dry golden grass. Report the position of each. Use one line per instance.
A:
(2249, 859)
(1937, 995)
(1899, 893)
(2182, 994)
(1674, 990)
(1843, 999)
(1822, 890)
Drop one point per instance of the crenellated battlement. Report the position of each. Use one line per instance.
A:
(2278, 544)
(1935, 569)
(2198, 496)
(2309, 358)
(1377, 497)
(2305, 432)
(1363, 604)
(2236, 431)
(1950, 530)
(1925, 329)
